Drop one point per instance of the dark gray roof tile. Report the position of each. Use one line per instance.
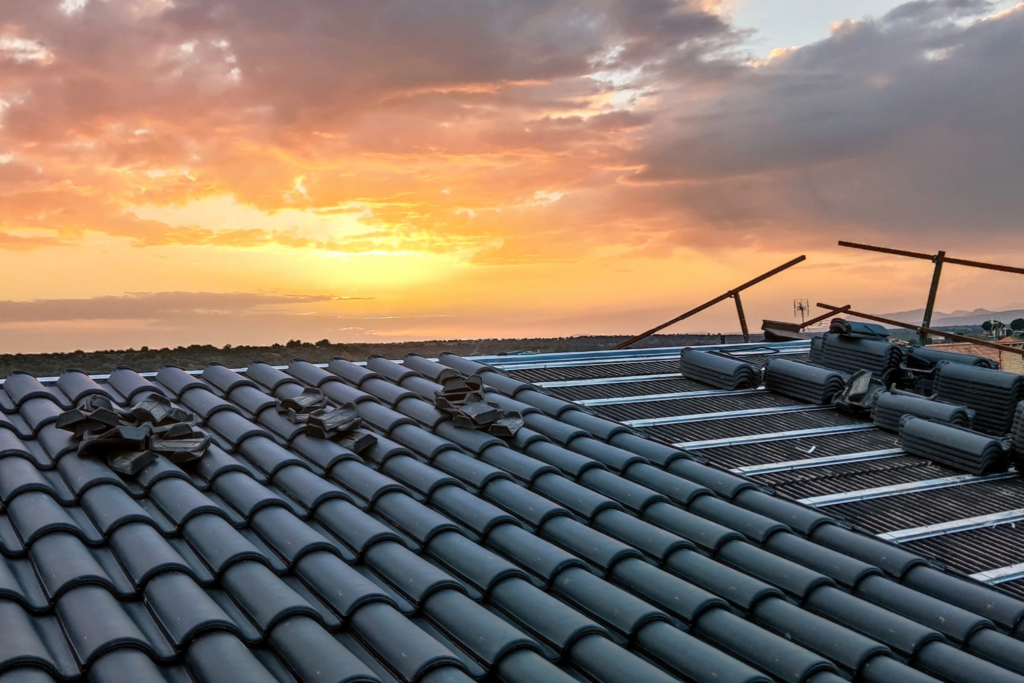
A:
(572, 464)
(183, 609)
(22, 386)
(846, 570)
(399, 642)
(692, 658)
(612, 664)
(526, 666)
(704, 533)
(353, 527)
(387, 392)
(218, 544)
(947, 619)
(547, 618)
(366, 483)
(752, 525)
(35, 514)
(245, 494)
(234, 427)
(612, 606)
(469, 510)
(476, 473)
(521, 466)
(904, 636)
(485, 636)
(736, 587)
(957, 666)
(95, 623)
(18, 475)
(559, 432)
(76, 385)
(412, 517)
(541, 558)
(767, 651)
(307, 489)
(38, 412)
(600, 550)
(1000, 608)
(264, 597)
(477, 566)
(321, 452)
(580, 500)
(639, 534)
(145, 553)
(679, 598)
(887, 556)
(844, 647)
(314, 655)
(221, 656)
(523, 503)
(21, 644)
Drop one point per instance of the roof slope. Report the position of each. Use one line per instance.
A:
(578, 549)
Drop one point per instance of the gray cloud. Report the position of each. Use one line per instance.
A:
(155, 306)
(910, 124)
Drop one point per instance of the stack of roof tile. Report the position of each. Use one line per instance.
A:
(717, 370)
(890, 408)
(922, 358)
(850, 354)
(957, 448)
(992, 394)
(856, 330)
(1017, 432)
(802, 381)
(578, 550)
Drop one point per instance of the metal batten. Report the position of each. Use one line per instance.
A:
(823, 461)
(773, 436)
(652, 398)
(1000, 574)
(900, 489)
(594, 381)
(725, 415)
(953, 527)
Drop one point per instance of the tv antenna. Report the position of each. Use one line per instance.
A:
(801, 307)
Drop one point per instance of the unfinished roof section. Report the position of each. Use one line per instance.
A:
(627, 531)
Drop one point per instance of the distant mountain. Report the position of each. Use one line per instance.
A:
(957, 318)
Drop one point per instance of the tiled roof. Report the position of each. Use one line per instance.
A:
(580, 549)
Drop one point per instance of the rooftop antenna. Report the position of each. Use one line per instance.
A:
(801, 307)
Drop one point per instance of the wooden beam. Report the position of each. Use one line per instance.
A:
(708, 304)
(823, 316)
(931, 257)
(926, 330)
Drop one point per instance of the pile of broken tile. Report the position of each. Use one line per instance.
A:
(463, 398)
(133, 438)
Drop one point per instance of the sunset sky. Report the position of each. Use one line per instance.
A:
(251, 171)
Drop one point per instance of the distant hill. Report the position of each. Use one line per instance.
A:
(957, 318)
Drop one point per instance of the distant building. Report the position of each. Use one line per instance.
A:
(1009, 362)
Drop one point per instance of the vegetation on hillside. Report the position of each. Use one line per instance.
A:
(198, 356)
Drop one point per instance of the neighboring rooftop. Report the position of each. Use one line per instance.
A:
(636, 529)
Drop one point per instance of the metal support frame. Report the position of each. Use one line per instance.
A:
(708, 304)
(743, 318)
(938, 259)
(773, 436)
(823, 461)
(953, 527)
(724, 415)
(902, 489)
(928, 330)
(929, 307)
